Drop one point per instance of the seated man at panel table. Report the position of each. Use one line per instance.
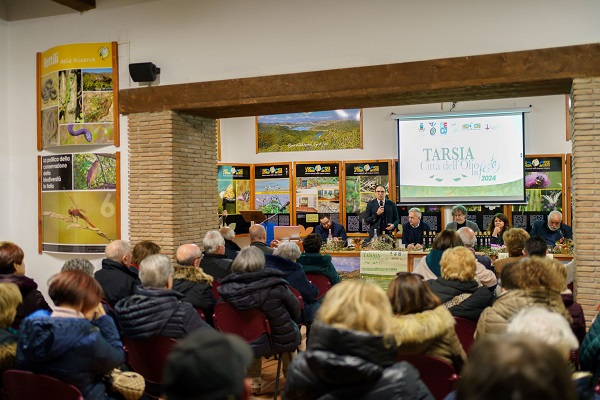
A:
(553, 230)
(413, 230)
(459, 212)
(326, 225)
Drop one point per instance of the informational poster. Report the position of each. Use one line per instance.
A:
(79, 208)
(77, 93)
(544, 184)
(317, 191)
(233, 184)
(361, 179)
(380, 267)
(272, 192)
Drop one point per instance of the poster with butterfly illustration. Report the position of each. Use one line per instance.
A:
(234, 188)
(80, 212)
(77, 87)
(544, 187)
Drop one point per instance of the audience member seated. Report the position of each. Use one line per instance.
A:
(115, 277)
(208, 365)
(429, 266)
(515, 367)
(142, 250)
(514, 240)
(327, 226)
(77, 343)
(258, 237)
(414, 230)
(12, 270)
(313, 262)
(231, 248)
(526, 283)
(484, 270)
(459, 213)
(553, 230)
(497, 227)
(421, 323)
(351, 353)
(589, 351)
(155, 309)
(457, 288)
(252, 286)
(79, 264)
(190, 280)
(214, 262)
(284, 259)
(535, 246)
(10, 298)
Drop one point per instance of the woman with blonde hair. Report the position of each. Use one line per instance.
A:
(421, 323)
(352, 353)
(514, 240)
(458, 288)
(10, 298)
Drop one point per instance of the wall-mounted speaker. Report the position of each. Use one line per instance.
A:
(143, 72)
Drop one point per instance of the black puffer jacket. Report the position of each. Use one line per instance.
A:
(267, 291)
(117, 281)
(470, 308)
(154, 312)
(344, 364)
(196, 288)
(33, 299)
(216, 265)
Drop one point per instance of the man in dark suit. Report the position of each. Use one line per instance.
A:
(327, 226)
(553, 230)
(381, 214)
(413, 230)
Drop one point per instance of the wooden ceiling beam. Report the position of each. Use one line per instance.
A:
(502, 75)
(78, 5)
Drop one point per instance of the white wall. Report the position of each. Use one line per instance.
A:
(194, 41)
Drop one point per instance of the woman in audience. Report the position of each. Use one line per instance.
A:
(12, 270)
(313, 262)
(457, 288)
(429, 266)
(142, 250)
(526, 283)
(352, 354)
(10, 298)
(498, 226)
(284, 259)
(252, 286)
(77, 343)
(79, 264)
(421, 324)
(589, 352)
(514, 240)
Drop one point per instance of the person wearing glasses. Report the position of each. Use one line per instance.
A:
(459, 213)
(554, 230)
(327, 226)
(382, 214)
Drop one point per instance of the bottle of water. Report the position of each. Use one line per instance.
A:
(329, 237)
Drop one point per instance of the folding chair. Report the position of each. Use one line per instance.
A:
(465, 330)
(438, 375)
(321, 282)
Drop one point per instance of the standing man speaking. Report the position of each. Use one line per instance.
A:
(382, 214)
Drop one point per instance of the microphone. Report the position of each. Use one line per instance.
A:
(284, 206)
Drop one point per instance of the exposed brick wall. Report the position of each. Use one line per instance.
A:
(585, 131)
(172, 178)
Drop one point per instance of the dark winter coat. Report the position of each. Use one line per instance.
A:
(73, 350)
(8, 350)
(317, 263)
(344, 364)
(33, 299)
(117, 281)
(294, 275)
(195, 286)
(231, 249)
(266, 291)
(157, 312)
(576, 311)
(471, 307)
(216, 265)
(589, 351)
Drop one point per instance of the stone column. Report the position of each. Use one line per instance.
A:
(172, 178)
(585, 132)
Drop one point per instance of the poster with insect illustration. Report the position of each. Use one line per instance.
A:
(361, 179)
(544, 188)
(77, 86)
(79, 208)
(317, 191)
(233, 186)
(272, 191)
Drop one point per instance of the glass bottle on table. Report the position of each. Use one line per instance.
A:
(329, 237)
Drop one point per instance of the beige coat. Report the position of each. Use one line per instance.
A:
(431, 333)
(499, 264)
(494, 319)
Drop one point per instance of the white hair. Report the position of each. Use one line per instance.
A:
(227, 233)
(288, 250)
(544, 325)
(554, 212)
(212, 240)
(249, 259)
(416, 211)
(155, 271)
(116, 249)
(467, 236)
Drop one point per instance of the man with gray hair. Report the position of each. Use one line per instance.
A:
(215, 263)
(258, 237)
(115, 277)
(552, 231)
(414, 230)
(485, 275)
(155, 309)
(231, 247)
(459, 212)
